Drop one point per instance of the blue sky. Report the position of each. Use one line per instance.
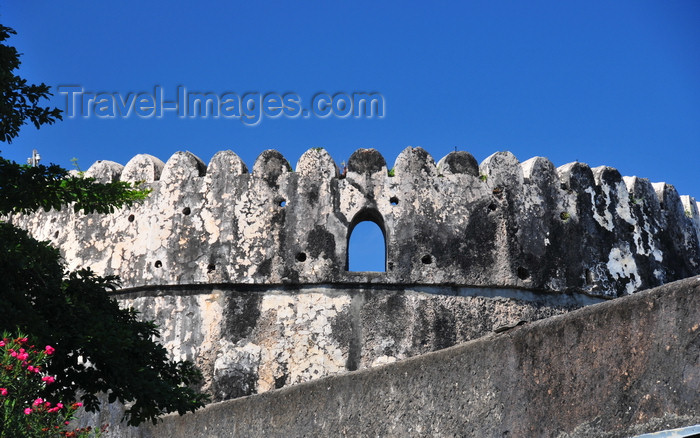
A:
(606, 83)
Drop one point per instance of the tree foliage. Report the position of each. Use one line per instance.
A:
(100, 347)
(19, 102)
(26, 189)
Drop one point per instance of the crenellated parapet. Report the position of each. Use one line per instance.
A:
(501, 223)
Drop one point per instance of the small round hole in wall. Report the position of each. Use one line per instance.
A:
(280, 381)
(427, 259)
(211, 268)
(186, 211)
(301, 257)
(523, 273)
(158, 264)
(131, 218)
(589, 277)
(492, 206)
(55, 235)
(394, 200)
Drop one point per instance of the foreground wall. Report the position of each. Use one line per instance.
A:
(614, 369)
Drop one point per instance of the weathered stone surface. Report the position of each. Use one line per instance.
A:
(415, 163)
(692, 211)
(270, 165)
(142, 167)
(246, 273)
(368, 161)
(458, 162)
(105, 171)
(247, 340)
(182, 166)
(225, 163)
(506, 225)
(616, 369)
(317, 163)
(678, 231)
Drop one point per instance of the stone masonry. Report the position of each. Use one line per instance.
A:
(246, 273)
(499, 224)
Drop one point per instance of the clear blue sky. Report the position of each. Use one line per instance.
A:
(613, 83)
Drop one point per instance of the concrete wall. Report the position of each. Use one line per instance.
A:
(614, 369)
(498, 224)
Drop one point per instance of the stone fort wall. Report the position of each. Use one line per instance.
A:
(498, 224)
(614, 370)
(246, 272)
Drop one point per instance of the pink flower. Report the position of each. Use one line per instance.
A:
(30, 368)
(37, 402)
(49, 350)
(27, 411)
(59, 405)
(47, 404)
(48, 379)
(52, 410)
(13, 353)
(78, 404)
(23, 356)
(2, 343)
(3, 391)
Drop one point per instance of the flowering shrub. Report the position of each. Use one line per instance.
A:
(22, 378)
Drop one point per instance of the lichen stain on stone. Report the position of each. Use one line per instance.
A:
(621, 264)
(297, 337)
(211, 226)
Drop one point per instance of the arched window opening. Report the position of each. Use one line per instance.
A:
(366, 243)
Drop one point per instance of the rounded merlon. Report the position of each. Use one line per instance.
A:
(570, 229)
